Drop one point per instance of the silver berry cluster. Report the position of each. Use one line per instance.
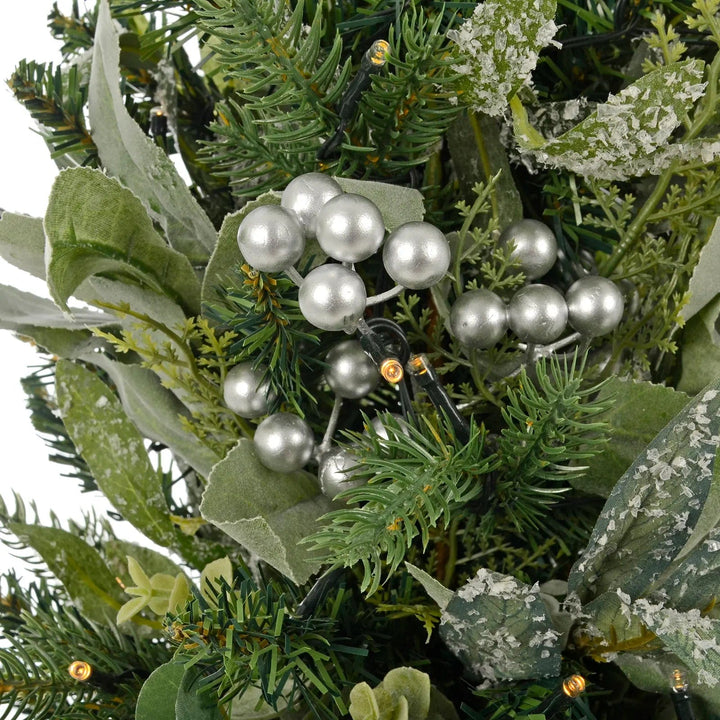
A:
(538, 314)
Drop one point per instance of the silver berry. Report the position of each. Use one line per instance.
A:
(416, 255)
(335, 472)
(350, 228)
(306, 195)
(270, 238)
(332, 297)
(478, 319)
(284, 442)
(350, 372)
(534, 246)
(537, 314)
(595, 305)
(247, 392)
(384, 431)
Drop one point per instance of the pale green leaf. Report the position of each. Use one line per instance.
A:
(178, 594)
(266, 512)
(435, 589)
(211, 575)
(78, 566)
(131, 156)
(700, 348)
(500, 629)
(94, 225)
(703, 283)
(131, 608)
(157, 697)
(117, 551)
(654, 507)
(22, 243)
(189, 705)
(640, 410)
(363, 704)
(113, 450)
(411, 685)
(138, 575)
(70, 344)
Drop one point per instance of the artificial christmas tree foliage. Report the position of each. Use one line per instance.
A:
(415, 388)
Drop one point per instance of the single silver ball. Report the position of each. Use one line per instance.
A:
(270, 238)
(306, 195)
(332, 297)
(350, 228)
(478, 319)
(334, 472)
(350, 372)
(535, 247)
(384, 431)
(416, 255)
(247, 392)
(537, 314)
(595, 305)
(284, 442)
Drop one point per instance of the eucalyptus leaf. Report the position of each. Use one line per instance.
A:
(69, 344)
(700, 348)
(22, 243)
(436, 590)
(190, 704)
(703, 283)
(639, 411)
(500, 629)
(132, 157)
(266, 512)
(398, 204)
(94, 225)
(78, 566)
(157, 697)
(654, 507)
(113, 450)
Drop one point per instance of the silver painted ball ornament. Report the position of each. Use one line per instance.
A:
(350, 372)
(478, 319)
(284, 442)
(384, 431)
(535, 247)
(335, 474)
(350, 228)
(595, 305)
(416, 255)
(332, 297)
(306, 195)
(247, 392)
(270, 238)
(537, 314)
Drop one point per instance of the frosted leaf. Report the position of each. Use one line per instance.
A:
(499, 47)
(630, 134)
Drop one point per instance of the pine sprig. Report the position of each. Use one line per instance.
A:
(416, 477)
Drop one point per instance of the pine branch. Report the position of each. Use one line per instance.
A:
(76, 30)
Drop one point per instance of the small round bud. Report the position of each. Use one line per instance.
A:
(332, 297)
(537, 314)
(334, 472)
(284, 442)
(416, 255)
(270, 238)
(534, 246)
(478, 319)
(595, 305)
(247, 392)
(350, 372)
(306, 195)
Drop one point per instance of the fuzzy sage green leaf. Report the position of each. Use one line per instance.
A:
(158, 695)
(22, 243)
(94, 225)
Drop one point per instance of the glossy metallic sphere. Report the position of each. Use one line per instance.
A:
(284, 442)
(270, 238)
(306, 195)
(478, 319)
(333, 472)
(537, 314)
(416, 255)
(332, 297)
(535, 246)
(384, 431)
(350, 228)
(595, 305)
(245, 391)
(350, 372)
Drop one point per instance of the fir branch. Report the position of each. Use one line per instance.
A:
(76, 30)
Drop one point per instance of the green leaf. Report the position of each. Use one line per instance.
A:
(152, 561)
(94, 225)
(189, 705)
(703, 283)
(411, 684)
(398, 204)
(22, 243)
(628, 135)
(211, 575)
(500, 629)
(266, 512)
(654, 506)
(155, 411)
(700, 349)
(132, 157)
(435, 589)
(113, 449)
(78, 566)
(157, 697)
(640, 410)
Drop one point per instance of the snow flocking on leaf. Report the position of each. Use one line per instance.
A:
(499, 47)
